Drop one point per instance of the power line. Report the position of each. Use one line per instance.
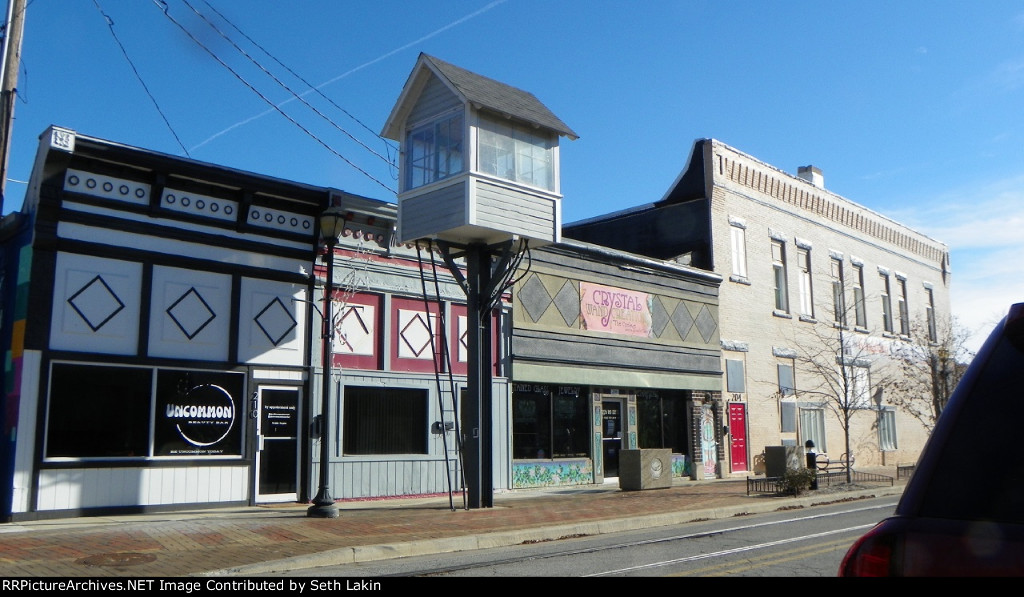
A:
(312, 87)
(110, 25)
(281, 83)
(242, 79)
(436, 32)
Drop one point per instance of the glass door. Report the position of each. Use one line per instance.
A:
(277, 444)
(611, 431)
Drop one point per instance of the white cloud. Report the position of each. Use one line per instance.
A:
(982, 225)
(985, 284)
(974, 217)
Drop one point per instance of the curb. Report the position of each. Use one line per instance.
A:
(373, 553)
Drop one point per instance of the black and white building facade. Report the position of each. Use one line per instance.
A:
(162, 330)
(157, 329)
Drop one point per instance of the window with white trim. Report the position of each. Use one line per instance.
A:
(933, 335)
(739, 251)
(803, 262)
(859, 386)
(434, 151)
(812, 427)
(887, 429)
(516, 152)
(136, 412)
(883, 278)
(838, 292)
(902, 312)
(779, 276)
(858, 296)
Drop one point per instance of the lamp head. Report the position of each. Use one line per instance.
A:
(332, 224)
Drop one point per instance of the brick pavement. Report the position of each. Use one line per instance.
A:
(250, 541)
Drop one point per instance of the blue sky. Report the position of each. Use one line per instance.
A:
(911, 108)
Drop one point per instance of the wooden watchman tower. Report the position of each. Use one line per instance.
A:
(478, 175)
(479, 159)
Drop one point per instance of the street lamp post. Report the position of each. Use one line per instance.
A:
(332, 223)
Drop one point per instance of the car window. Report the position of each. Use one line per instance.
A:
(980, 472)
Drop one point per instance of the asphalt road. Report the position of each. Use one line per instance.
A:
(790, 543)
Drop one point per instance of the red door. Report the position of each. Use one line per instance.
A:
(738, 436)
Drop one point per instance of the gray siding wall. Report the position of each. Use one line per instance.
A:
(435, 100)
(418, 474)
(381, 478)
(403, 474)
(508, 209)
(432, 212)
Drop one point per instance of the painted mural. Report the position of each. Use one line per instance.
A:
(708, 445)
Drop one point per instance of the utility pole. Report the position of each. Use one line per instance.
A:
(14, 25)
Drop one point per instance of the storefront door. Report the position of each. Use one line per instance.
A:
(611, 429)
(277, 444)
(738, 436)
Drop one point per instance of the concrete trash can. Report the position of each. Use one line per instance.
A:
(645, 469)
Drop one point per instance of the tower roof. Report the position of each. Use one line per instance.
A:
(482, 92)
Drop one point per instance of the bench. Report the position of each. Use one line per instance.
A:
(829, 465)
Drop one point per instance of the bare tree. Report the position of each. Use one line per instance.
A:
(930, 367)
(844, 371)
(839, 363)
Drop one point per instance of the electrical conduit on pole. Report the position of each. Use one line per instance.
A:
(15, 26)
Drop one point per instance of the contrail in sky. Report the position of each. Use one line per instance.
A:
(358, 68)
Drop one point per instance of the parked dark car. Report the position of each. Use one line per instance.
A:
(962, 512)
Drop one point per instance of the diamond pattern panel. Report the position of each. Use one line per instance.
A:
(534, 297)
(567, 301)
(415, 336)
(191, 313)
(682, 320)
(463, 339)
(275, 321)
(659, 317)
(96, 303)
(536, 300)
(706, 323)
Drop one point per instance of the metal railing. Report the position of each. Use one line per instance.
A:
(839, 477)
(775, 485)
(765, 485)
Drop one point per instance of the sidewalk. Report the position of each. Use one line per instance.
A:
(257, 540)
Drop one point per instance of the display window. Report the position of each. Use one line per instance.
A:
(550, 422)
(662, 421)
(385, 421)
(125, 412)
